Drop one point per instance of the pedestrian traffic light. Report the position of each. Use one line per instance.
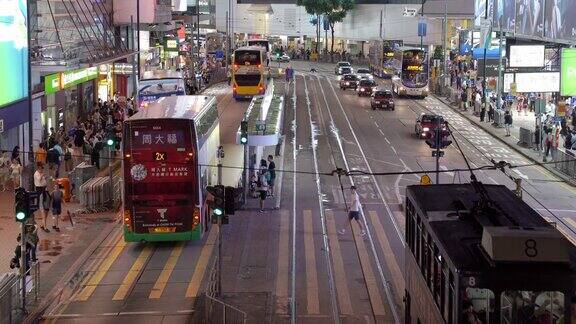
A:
(219, 201)
(244, 132)
(21, 205)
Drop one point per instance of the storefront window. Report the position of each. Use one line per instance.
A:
(538, 307)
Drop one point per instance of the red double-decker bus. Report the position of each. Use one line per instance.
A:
(167, 150)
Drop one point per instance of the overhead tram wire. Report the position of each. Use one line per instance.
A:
(498, 166)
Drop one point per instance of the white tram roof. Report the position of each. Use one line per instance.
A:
(175, 107)
(161, 74)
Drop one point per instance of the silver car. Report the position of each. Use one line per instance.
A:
(365, 74)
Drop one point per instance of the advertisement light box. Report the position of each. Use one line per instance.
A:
(13, 51)
(526, 55)
(538, 82)
(568, 72)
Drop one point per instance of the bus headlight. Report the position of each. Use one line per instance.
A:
(196, 217)
(425, 129)
(128, 219)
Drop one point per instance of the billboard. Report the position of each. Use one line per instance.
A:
(538, 82)
(465, 42)
(13, 51)
(526, 55)
(559, 21)
(530, 17)
(480, 11)
(508, 14)
(568, 72)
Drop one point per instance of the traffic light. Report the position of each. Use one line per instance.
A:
(441, 141)
(219, 198)
(244, 132)
(21, 205)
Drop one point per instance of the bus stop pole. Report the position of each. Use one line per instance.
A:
(220, 227)
(23, 265)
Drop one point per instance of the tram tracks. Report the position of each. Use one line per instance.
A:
(341, 155)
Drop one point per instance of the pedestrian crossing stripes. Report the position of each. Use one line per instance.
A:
(311, 298)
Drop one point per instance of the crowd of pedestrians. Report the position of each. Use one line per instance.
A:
(56, 156)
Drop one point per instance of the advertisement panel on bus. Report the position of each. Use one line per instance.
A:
(161, 179)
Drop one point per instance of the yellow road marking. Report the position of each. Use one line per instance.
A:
(570, 221)
(397, 277)
(282, 273)
(371, 283)
(312, 299)
(99, 274)
(133, 273)
(201, 265)
(339, 273)
(162, 280)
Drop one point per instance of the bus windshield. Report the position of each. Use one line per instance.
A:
(260, 42)
(414, 68)
(246, 57)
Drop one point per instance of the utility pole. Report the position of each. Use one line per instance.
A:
(138, 36)
(444, 37)
(485, 49)
(438, 141)
(421, 19)
(500, 84)
(227, 37)
(381, 34)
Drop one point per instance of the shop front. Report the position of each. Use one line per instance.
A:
(115, 79)
(68, 96)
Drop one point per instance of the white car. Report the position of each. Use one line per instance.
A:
(280, 58)
(365, 74)
(343, 68)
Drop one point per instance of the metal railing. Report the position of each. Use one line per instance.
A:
(218, 312)
(11, 308)
(526, 137)
(566, 163)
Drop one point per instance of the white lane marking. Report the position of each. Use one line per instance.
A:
(293, 274)
(385, 138)
(373, 247)
(522, 175)
(443, 167)
(393, 149)
(331, 285)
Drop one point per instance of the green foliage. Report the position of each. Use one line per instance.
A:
(336, 10)
(438, 53)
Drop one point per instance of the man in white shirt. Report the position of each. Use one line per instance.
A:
(354, 211)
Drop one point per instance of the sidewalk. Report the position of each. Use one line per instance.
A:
(57, 252)
(524, 120)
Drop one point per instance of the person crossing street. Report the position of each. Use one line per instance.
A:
(354, 211)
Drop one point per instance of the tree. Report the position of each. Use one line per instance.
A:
(316, 8)
(335, 11)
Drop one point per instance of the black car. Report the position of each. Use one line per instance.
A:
(349, 81)
(382, 99)
(366, 87)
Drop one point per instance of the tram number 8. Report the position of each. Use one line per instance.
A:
(530, 248)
